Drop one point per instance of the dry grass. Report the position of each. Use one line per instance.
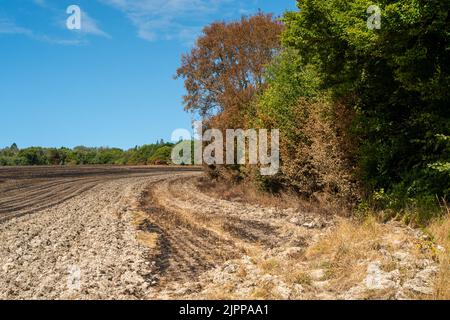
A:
(326, 267)
(341, 255)
(243, 192)
(440, 229)
(288, 270)
(246, 192)
(299, 277)
(150, 240)
(270, 265)
(265, 291)
(139, 218)
(343, 250)
(338, 262)
(225, 292)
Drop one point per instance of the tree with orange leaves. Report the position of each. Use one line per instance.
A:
(224, 70)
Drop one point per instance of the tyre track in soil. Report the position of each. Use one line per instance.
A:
(193, 240)
(26, 190)
(197, 236)
(183, 250)
(234, 224)
(200, 236)
(94, 231)
(43, 197)
(194, 233)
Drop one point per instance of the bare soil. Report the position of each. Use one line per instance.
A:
(25, 190)
(215, 248)
(153, 233)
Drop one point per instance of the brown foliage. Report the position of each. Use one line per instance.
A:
(318, 164)
(224, 73)
(225, 69)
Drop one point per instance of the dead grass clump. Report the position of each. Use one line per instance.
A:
(265, 291)
(270, 265)
(344, 250)
(150, 240)
(241, 192)
(299, 277)
(246, 192)
(440, 229)
(224, 292)
(139, 218)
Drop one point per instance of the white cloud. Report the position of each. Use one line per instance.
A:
(173, 19)
(9, 27)
(90, 26)
(41, 3)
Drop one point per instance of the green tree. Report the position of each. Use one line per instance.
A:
(161, 156)
(32, 156)
(396, 78)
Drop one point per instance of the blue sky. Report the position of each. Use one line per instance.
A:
(108, 84)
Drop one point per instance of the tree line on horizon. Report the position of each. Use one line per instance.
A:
(151, 154)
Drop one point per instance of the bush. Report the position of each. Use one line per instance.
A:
(396, 79)
(315, 160)
(161, 156)
(154, 153)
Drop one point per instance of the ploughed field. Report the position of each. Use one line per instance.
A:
(108, 232)
(25, 190)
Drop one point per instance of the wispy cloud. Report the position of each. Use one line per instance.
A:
(154, 20)
(170, 19)
(9, 27)
(41, 3)
(90, 26)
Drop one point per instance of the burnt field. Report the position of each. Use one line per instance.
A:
(25, 190)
